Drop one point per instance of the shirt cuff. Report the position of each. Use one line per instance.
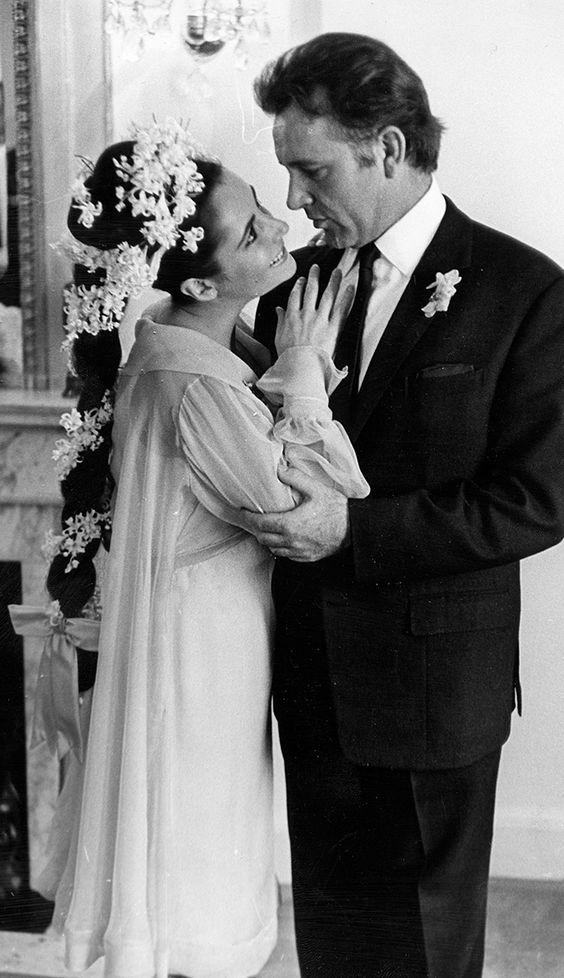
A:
(301, 372)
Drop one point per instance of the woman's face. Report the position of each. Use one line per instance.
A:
(251, 255)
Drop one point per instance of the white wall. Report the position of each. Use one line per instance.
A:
(495, 75)
(494, 72)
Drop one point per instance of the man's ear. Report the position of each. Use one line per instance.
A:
(393, 148)
(201, 289)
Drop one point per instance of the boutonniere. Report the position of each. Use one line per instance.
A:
(444, 289)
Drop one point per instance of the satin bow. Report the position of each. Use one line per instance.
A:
(56, 711)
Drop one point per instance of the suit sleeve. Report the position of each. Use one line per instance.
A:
(514, 506)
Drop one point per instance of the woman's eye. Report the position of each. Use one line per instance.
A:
(251, 236)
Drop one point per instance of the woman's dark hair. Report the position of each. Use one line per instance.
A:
(177, 264)
(96, 358)
(362, 84)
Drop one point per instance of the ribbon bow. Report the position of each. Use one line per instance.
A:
(56, 711)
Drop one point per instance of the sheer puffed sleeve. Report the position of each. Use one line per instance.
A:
(234, 447)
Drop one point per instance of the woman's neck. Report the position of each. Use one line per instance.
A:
(215, 319)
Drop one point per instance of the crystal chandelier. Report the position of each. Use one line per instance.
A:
(134, 20)
(209, 25)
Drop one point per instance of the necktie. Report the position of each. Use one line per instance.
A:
(347, 350)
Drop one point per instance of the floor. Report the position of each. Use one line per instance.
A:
(525, 938)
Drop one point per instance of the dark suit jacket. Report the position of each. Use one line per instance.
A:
(459, 429)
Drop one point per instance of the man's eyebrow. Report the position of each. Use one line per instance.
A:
(303, 163)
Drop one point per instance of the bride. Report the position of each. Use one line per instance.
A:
(169, 867)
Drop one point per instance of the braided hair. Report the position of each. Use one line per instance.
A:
(96, 358)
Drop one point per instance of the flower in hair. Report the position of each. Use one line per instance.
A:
(159, 184)
(55, 615)
(191, 238)
(84, 433)
(160, 180)
(92, 610)
(98, 307)
(444, 289)
(82, 198)
(78, 532)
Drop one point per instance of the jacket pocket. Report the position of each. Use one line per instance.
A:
(438, 614)
(442, 370)
(443, 380)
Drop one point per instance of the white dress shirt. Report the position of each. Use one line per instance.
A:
(401, 248)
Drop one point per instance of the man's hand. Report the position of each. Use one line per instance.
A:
(318, 527)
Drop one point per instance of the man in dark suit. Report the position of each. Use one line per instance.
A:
(396, 667)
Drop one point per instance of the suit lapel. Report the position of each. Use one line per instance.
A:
(327, 259)
(450, 248)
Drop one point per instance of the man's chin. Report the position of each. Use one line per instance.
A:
(331, 238)
(336, 238)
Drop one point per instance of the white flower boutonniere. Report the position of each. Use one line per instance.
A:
(444, 289)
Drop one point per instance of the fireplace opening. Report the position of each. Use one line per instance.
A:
(21, 909)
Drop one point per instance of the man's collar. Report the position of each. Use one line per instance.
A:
(404, 242)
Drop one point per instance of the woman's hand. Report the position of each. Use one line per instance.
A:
(310, 320)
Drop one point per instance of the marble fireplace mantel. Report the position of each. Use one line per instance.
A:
(30, 504)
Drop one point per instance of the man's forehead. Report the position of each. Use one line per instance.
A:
(293, 118)
(302, 135)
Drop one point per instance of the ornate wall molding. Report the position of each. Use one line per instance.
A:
(29, 204)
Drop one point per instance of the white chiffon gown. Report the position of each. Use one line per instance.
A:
(169, 867)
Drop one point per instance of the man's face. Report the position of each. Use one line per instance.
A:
(337, 193)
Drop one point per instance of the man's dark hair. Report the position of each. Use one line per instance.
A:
(362, 84)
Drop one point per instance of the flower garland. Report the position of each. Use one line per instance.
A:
(78, 532)
(82, 197)
(164, 179)
(91, 611)
(162, 159)
(159, 184)
(98, 307)
(84, 434)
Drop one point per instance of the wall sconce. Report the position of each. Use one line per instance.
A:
(211, 24)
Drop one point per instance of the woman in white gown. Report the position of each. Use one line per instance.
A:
(169, 868)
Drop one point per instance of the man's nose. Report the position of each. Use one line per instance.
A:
(298, 194)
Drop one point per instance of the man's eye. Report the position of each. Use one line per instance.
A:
(317, 174)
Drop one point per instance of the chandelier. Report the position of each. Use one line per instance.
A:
(134, 20)
(208, 25)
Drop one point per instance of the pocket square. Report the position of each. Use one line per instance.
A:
(446, 369)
